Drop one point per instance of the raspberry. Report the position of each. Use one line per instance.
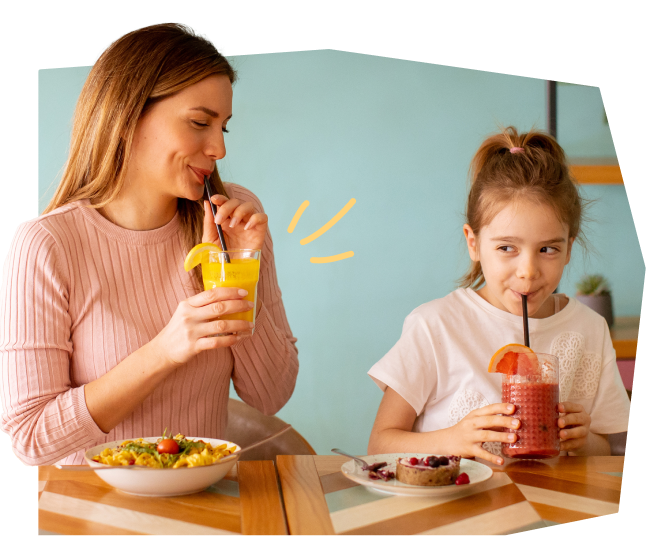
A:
(463, 478)
(427, 461)
(414, 461)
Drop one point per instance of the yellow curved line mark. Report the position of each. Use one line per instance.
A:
(297, 216)
(329, 224)
(334, 258)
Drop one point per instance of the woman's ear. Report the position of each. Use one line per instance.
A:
(472, 243)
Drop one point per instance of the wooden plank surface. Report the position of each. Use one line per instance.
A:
(597, 174)
(260, 501)
(81, 503)
(305, 505)
(521, 495)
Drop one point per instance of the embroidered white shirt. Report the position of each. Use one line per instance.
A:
(439, 365)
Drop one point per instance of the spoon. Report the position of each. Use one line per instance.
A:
(365, 466)
(229, 457)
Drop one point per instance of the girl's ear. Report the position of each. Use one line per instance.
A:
(472, 243)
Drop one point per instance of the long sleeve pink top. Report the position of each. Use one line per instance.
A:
(80, 294)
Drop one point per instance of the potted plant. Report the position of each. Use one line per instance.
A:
(593, 291)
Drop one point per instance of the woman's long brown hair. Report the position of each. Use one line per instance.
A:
(137, 70)
(536, 170)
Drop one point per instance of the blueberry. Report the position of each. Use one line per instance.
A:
(434, 462)
(444, 460)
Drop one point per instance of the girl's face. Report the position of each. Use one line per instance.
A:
(523, 250)
(178, 140)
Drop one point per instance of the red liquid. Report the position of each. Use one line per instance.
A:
(537, 410)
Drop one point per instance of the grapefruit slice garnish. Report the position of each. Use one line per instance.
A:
(514, 359)
(199, 254)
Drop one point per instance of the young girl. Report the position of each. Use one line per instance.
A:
(523, 215)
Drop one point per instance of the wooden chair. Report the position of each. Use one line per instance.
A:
(247, 425)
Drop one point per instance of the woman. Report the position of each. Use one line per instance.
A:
(104, 336)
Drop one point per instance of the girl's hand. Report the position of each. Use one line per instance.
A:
(191, 329)
(479, 426)
(243, 226)
(574, 424)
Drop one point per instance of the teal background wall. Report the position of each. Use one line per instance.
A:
(327, 126)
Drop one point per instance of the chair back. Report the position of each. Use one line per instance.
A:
(247, 425)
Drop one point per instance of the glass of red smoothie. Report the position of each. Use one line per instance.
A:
(534, 391)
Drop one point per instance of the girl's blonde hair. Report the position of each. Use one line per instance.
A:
(139, 69)
(509, 166)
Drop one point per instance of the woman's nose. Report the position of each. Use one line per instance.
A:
(214, 147)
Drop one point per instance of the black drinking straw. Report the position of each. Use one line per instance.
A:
(525, 322)
(214, 210)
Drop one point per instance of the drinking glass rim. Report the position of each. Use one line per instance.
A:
(235, 251)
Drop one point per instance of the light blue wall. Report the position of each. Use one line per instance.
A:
(397, 136)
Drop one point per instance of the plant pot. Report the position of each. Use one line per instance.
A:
(601, 303)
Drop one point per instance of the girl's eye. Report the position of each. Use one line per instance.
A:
(549, 250)
(506, 248)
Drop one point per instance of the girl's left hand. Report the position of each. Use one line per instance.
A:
(243, 226)
(574, 424)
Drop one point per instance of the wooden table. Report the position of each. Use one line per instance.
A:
(246, 501)
(522, 495)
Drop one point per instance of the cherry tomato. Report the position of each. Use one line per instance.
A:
(168, 446)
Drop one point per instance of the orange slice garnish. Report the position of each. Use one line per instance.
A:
(199, 254)
(514, 359)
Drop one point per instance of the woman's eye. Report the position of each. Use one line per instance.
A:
(225, 130)
(199, 124)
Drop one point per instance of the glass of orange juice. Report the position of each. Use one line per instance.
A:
(238, 268)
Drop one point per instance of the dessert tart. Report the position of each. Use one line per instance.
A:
(428, 471)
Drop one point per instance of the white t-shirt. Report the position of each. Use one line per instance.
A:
(439, 365)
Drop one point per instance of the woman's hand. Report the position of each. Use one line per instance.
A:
(192, 328)
(243, 226)
(482, 425)
(575, 426)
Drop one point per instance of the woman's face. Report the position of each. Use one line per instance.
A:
(522, 251)
(178, 140)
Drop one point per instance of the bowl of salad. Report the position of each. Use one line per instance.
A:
(163, 466)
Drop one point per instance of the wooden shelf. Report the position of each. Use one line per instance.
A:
(624, 337)
(597, 174)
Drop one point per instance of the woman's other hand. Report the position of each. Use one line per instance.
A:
(574, 425)
(243, 226)
(195, 323)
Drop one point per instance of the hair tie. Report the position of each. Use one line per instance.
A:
(517, 149)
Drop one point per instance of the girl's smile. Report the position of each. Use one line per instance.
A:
(523, 250)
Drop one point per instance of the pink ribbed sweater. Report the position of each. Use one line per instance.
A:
(80, 294)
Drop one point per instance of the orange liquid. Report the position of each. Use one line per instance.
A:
(241, 273)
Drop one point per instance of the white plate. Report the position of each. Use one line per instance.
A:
(162, 482)
(477, 472)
